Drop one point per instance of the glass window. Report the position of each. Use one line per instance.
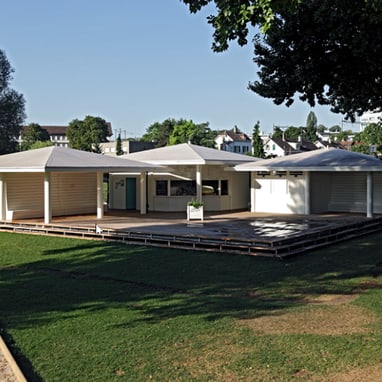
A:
(224, 187)
(210, 187)
(161, 188)
(183, 187)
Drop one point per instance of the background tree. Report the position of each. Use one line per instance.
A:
(257, 142)
(341, 136)
(118, 148)
(187, 131)
(159, 132)
(172, 132)
(370, 136)
(87, 135)
(40, 144)
(12, 109)
(310, 133)
(33, 133)
(326, 52)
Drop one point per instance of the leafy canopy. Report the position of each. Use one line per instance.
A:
(323, 51)
(87, 135)
(172, 132)
(32, 134)
(12, 109)
(257, 142)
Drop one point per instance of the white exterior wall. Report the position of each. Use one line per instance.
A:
(271, 148)
(117, 191)
(377, 192)
(237, 198)
(342, 192)
(72, 193)
(274, 194)
(25, 193)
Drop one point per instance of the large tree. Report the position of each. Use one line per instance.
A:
(87, 135)
(172, 132)
(310, 133)
(159, 132)
(324, 51)
(12, 109)
(187, 131)
(32, 134)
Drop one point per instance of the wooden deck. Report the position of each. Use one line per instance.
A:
(240, 233)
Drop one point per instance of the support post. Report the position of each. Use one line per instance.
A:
(307, 193)
(198, 183)
(143, 193)
(3, 196)
(47, 199)
(369, 195)
(253, 192)
(99, 194)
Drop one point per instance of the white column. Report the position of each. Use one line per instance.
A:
(2, 197)
(198, 183)
(142, 192)
(99, 194)
(307, 193)
(253, 192)
(369, 195)
(47, 199)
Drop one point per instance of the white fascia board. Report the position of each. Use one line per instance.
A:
(314, 169)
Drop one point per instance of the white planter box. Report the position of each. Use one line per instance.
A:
(195, 213)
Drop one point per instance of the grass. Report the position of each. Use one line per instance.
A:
(76, 310)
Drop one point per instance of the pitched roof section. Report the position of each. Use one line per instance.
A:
(317, 160)
(189, 154)
(283, 144)
(53, 158)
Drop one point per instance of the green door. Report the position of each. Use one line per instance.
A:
(131, 193)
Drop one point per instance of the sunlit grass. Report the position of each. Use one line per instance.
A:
(77, 310)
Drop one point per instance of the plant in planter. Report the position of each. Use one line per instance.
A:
(195, 210)
(195, 203)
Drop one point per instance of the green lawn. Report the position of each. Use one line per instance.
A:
(77, 310)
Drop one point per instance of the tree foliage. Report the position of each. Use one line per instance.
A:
(257, 142)
(118, 148)
(88, 134)
(371, 136)
(310, 133)
(159, 132)
(32, 134)
(172, 132)
(326, 52)
(187, 131)
(12, 109)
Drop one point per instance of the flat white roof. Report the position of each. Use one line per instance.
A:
(189, 154)
(54, 158)
(318, 160)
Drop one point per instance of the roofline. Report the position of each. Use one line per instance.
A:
(313, 169)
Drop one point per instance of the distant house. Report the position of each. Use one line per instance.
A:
(233, 141)
(278, 147)
(128, 147)
(58, 134)
(323, 144)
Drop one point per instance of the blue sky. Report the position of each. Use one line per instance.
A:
(133, 63)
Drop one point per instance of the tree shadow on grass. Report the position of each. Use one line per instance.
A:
(71, 279)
